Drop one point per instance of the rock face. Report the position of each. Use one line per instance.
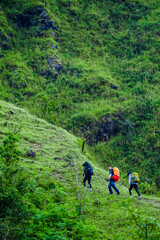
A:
(103, 129)
(38, 17)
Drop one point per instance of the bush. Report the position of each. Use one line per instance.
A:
(14, 212)
(148, 188)
(138, 224)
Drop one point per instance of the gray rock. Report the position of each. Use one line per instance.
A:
(43, 27)
(57, 158)
(31, 154)
(54, 46)
(29, 19)
(40, 33)
(51, 24)
(114, 87)
(47, 74)
(53, 62)
(39, 10)
(58, 67)
(44, 15)
(34, 22)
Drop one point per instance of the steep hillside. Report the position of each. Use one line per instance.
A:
(35, 193)
(91, 67)
(57, 205)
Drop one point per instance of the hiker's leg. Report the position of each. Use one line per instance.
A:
(114, 186)
(84, 181)
(130, 188)
(110, 187)
(136, 188)
(89, 181)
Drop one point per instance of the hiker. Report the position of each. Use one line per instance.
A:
(87, 173)
(133, 180)
(113, 177)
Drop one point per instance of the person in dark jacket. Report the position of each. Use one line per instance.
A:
(111, 182)
(87, 174)
(133, 185)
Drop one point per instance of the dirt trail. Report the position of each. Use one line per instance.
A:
(155, 202)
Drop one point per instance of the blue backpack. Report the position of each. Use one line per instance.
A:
(89, 167)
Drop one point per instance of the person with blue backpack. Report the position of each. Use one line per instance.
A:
(87, 174)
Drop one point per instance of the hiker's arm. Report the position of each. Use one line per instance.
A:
(129, 180)
(107, 180)
(110, 174)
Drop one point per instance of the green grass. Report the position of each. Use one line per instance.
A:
(100, 43)
(59, 157)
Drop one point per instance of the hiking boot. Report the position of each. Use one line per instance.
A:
(118, 193)
(139, 198)
(90, 189)
(131, 196)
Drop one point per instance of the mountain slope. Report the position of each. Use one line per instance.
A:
(59, 158)
(95, 74)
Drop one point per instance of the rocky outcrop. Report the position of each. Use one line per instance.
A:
(103, 129)
(38, 17)
(54, 67)
(113, 86)
(31, 154)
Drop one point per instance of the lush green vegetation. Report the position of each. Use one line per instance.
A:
(42, 197)
(113, 43)
(78, 65)
(35, 207)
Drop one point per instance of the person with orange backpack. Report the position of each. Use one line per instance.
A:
(113, 178)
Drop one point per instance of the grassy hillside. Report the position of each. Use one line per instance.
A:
(76, 63)
(57, 205)
(90, 67)
(36, 191)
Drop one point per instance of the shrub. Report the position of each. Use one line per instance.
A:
(13, 184)
(148, 188)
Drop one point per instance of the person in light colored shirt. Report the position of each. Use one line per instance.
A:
(133, 185)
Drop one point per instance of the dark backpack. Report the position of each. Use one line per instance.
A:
(89, 167)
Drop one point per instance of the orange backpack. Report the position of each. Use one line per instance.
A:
(116, 175)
